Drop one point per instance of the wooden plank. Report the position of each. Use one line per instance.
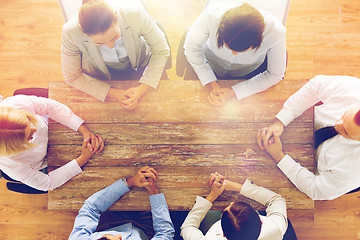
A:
(175, 102)
(184, 176)
(179, 155)
(176, 91)
(180, 112)
(172, 133)
(179, 199)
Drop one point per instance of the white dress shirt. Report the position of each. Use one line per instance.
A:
(205, 57)
(273, 227)
(338, 159)
(25, 165)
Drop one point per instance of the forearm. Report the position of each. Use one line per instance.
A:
(92, 86)
(317, 187)
(160, 51)
(89, 214)
(163, 226)
(190, 227)
(233, 186)
(54, 179)
(258, 83)
(306, 97)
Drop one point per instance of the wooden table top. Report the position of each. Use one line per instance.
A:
(175, 130)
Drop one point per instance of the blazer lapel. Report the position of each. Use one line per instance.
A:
(129, 41)
(96, 56)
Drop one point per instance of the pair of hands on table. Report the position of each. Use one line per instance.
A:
(218, 95)
(129, 98)
(268, 139)
(146, 177)
(91, 145)
(218, 184)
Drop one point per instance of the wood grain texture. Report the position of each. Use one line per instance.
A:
(70, 199)
(174, 133)
(179, 155)
(179, 101)
(177, 114)
(322, 38)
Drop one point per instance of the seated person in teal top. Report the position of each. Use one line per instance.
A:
(89, 215)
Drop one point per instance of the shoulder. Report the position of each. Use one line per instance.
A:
(73, 30)
(273, 27)
(130, 10)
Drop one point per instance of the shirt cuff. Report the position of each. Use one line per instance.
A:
(286, 164)
(285, 116)
(203, 202)
(206, 77)
(74, 167)
(259, 194)
(77, 123)
(240, 91)
(122, 186)
(157, 200)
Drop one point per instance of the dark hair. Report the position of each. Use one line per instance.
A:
(241, 28)
(96, 17)
(103, 238)
(241, 221)
(357, 118)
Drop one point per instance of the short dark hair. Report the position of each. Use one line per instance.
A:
(96, 17)
(357, 118)
(103, 238)
(241, 28)
(241, 221)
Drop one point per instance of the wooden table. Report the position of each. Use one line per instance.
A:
(176, 131)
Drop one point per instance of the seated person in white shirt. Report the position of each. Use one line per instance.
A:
(113, 40)
(24, 139)
(90, 215)
(338, 158)
(238, 220)
(232, 41)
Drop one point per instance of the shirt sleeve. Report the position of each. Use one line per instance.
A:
(325, 186)
(195, 39)
(45, 182)
(89, 214)
(303, 99)
(160, 51)
(190, 228)
(163, 226)
(46, 107)
(275, 204)
(276, 66)
(71, 58)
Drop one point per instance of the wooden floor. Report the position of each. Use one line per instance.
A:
(322, 38)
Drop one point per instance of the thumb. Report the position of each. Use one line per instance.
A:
(276, 137)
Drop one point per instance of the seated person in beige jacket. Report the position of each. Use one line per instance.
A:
(238, 220)
(113, 41)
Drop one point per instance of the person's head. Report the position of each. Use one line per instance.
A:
(17, 127)
(99, 21)
(240, 221)
(348, 125)
(241, 28)
(111, 237)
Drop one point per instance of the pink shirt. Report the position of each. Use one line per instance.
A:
(25, 165)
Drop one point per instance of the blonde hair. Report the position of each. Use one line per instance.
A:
(13, 123)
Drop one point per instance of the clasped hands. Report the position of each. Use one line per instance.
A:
(91, 145)
(129, 98)
(268, 139)
(218, 95)
(146, 177)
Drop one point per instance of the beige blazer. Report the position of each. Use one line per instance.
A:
(81, 61)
